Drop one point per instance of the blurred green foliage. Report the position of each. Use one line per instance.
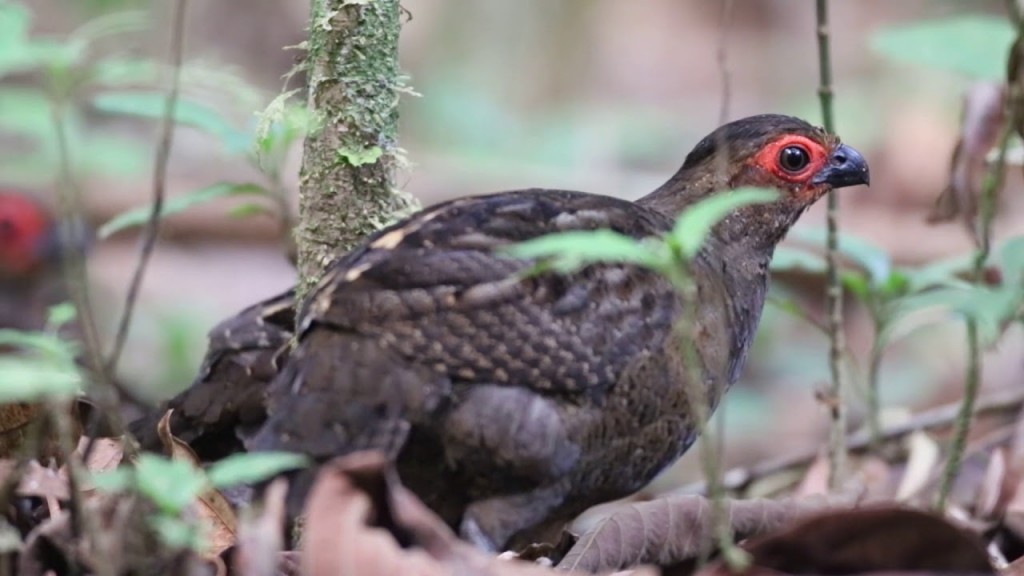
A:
(173, 485)
(975, 45)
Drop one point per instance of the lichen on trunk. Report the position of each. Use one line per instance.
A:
(346, 182)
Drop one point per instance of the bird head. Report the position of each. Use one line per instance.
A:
(28, 237)
(800, 161)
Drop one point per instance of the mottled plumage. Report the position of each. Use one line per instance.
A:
(512, 402)
(227, 397)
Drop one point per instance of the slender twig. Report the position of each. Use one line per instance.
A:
(163, 154)
(58, 413)
(109, 390)
(69, 205)
(738, 479)
(874, 372)
(990, 188)
(837, 433)
(712, 448)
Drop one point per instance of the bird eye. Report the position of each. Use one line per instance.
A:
(794, 158)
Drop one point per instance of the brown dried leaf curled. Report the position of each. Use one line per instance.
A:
(361, 522)
(671, 530)
(872, 539)
(983, 120)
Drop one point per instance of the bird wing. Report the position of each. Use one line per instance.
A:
(243, 356)
(432, 290)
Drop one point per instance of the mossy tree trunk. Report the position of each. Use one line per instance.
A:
(346, 185)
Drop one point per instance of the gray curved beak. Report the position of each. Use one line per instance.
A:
(846, 167)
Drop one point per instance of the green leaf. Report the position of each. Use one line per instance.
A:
(250, 468)
(578, 248)
(361, 156)
(897, 285)
(992, 309)
(792, 259)
(939, 274)
(49, 345)
(973, 44)
(29, 378)
(174, 205)
(150, 105)
(59, 315)
(250, 209)
(114, 71)
(871, 258)
(858, 284)
(170, 484)
(694, 224)
(1011, 256)
(116, 480)
(176, 533)
(106, 25)
(280, 124)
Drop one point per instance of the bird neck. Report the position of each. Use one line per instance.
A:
(752, 231)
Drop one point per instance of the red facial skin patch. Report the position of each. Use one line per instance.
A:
(768, 160)
(23, 224)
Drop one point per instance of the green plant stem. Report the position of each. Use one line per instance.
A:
(713, 446)
(163, 154)
(837, 431)
(710, 458)
(73, 266)
(874, 397)
(987, 202)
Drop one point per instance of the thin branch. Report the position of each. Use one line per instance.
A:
(837, 433)
(163, 153)
(739, 479)
(712, 449)
(725, 74)
(69, 205)
(107, 392)
(993, 183)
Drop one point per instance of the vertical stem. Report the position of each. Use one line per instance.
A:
(874, 368)
(837, 432)
(163, 153)
(712, 446)
(73, 265)
(991, 186)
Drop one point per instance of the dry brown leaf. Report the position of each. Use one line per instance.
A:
(922, 460)
(116, 538)
(982, 122)
(261, 537)
(212, 506)
(993, 487)
(1013, 516)
(14, 420)
(875, 475)
(361, 522)
(815, 480)
(1015, 568)
(870, 539)
(671, 530)
(43, 482)
(106, 455)
(174, 446)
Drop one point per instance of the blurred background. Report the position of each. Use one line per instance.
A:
(605, 96)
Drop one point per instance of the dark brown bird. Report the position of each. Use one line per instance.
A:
(509, 402)
(227, 398)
